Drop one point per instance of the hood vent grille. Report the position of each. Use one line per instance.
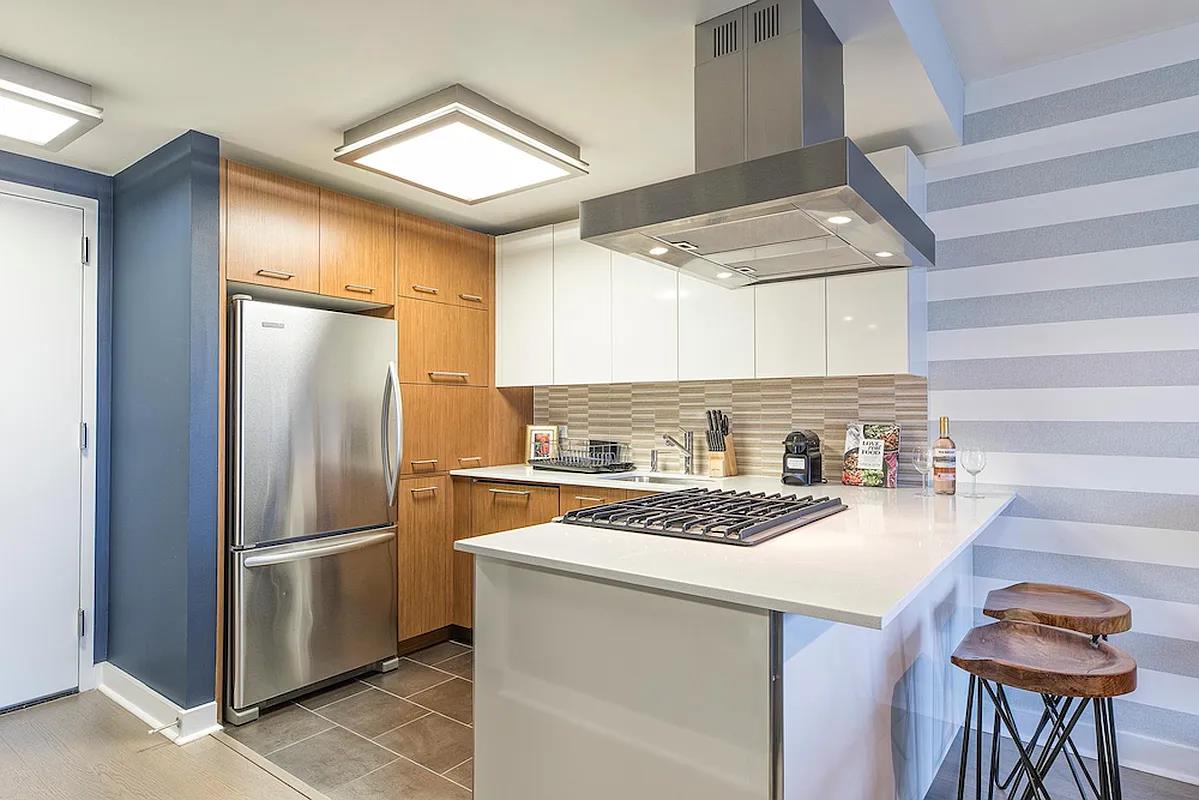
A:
(766, 23)
(724, 39)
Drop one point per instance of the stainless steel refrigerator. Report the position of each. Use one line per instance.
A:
(315, 430)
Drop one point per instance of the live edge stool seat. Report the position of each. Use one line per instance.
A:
(1070, 671)
(1082, 610)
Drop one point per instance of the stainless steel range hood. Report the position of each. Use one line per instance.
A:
(781, 194)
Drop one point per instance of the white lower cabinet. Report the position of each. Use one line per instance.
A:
(716, 331)
(524, 308)
(877, 323)
(790, 335)
(582, 309)
(645, 321)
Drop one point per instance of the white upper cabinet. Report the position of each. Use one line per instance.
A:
(877, 323)
(582, 308)
(790, 334)
(645, 321)
(716, 331)
(524, 308)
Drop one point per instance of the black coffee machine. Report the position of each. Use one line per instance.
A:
(802, 464)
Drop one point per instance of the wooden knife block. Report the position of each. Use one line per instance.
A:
(723, 464)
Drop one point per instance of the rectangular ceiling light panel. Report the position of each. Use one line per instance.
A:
(461, 145)
(42, 108)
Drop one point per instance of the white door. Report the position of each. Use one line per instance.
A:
(40, 462)
(524, 308)
(789, 339)
(645, 321)
(582, 308)
(716, 331)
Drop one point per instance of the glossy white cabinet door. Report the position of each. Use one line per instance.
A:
(716, 331)
(868, 320)
(582, 308)
(790, 333)
(524, 308)
(645, 321)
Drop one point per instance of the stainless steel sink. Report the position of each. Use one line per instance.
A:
(678, 480)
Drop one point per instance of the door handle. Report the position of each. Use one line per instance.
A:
(471, 298)
(471, 458)
(358, 287)
(423, 461)
(510, 491)
(435, 374)
(589, 499)
(416, 287)
(276, 273)
(392, 401)
(319, 551)
(424, 489)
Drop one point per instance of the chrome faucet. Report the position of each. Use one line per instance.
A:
(686, 447)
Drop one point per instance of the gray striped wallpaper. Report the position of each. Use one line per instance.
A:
(1064, 340)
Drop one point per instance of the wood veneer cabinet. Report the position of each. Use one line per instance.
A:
(357, 248)
(441, 343)
(499, 506)
(272, 229)
(445, 427)
(425, 555)
(442, 262)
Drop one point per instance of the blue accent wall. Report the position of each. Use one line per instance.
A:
(69, 180)
(165, 340)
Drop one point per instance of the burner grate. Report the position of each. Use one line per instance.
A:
(713, 515)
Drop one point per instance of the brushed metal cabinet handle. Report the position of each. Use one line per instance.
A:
(471, 298)
(424, 461)
(276, 273)
(510, 491)
(422, 489)
(589, 499)
(470, 458)
(358, 287)
(435, 374)
(416, 287)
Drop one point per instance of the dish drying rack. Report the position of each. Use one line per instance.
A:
(588, 455)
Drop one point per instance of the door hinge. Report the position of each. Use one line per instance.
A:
(82, 435)
(82, 624)
(85, 251)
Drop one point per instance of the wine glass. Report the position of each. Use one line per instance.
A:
(922, 461)
(973, 461)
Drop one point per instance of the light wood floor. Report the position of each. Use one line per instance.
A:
(85, 747)
(1135, 785)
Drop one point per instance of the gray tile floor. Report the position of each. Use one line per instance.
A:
(405, 733)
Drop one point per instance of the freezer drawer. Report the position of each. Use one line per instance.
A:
(305, 612)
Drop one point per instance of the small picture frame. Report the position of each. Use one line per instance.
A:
(541, 441)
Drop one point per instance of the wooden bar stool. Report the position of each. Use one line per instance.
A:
(1093, 613)
(1051, 662)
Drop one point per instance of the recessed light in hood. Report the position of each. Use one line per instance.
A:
(459, 144)
(780, 194)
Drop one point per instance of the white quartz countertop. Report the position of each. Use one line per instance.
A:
(861, 566)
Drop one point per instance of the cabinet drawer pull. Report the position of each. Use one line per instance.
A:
(589, 499)
(416, 287)
(358, 287)
(276, 273)
(424, 461)
(470, 458)
(423, 489)
(436, 374)
(471, 298)
(510, 491)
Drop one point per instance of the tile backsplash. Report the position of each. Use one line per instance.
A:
(762, 413)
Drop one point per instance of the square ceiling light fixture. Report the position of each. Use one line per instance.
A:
(43, 108)
(459, 144)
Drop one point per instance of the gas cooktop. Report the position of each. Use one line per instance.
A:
(709, 515)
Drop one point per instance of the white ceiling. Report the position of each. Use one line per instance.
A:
(994, 37)
(279, 80)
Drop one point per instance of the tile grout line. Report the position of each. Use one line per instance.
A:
(364, 685)
(463, 761)
(332, 725)
(427, 708)
(405, 725)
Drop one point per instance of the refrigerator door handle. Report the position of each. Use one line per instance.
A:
(392, 401)
(304, 553)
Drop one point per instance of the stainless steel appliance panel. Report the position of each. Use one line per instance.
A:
(314, 397)
(308, 611)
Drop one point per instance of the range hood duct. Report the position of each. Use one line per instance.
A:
(780, 193)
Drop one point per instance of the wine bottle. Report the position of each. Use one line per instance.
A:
(945, 462)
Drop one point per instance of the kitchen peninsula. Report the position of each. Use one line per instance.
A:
(814, 665)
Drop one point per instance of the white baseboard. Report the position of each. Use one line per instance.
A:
(155, 710)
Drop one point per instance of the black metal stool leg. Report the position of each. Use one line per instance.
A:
(966, 740)
(1009, 722)
(1115, 753)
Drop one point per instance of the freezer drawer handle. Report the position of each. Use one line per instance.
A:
(471, 298)
(416, 287)
(436, 374)
(276, 273)
(358, 287)
(303, 554)
(509, 491)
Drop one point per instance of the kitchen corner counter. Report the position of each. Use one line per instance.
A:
(861, 567)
